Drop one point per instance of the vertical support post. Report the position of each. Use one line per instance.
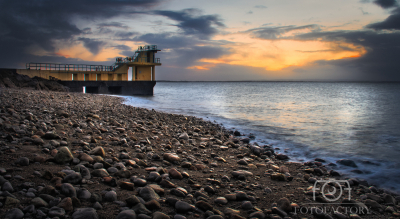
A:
(134, 73)
(153, 73)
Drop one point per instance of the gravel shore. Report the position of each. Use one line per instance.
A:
(74, 155)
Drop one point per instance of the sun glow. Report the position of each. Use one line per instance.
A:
(80, 52)
(274, 55)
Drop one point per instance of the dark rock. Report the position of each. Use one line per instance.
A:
(85, 213)
(68, 190)
(23, 161)
(14, 213)
(240, 196)
(221, 201)
(257, 214)
(284, 204)
(84, 194)
(160, 215)
(7, 187)
(182, 206)
(204, 206)
(126, 214)
(152, 204)
(38, 202)
(282, 157)
(127, 186)
(100, 173)
(141, 209)
(56, 212)
(139, 181)
(347, 162)
(147, 193)
(110, 196)
(73, 178)
(66, 204)
(279, 212)
(132, 200)
(246, 205)
(63, 155)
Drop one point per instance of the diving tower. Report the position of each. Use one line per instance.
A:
(98, 77)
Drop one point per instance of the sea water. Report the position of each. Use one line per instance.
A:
(305, 120)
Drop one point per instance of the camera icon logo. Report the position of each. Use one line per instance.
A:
(331, 189)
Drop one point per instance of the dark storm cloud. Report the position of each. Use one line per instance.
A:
(113, 24)
(191, 22)
(390, 23)
(277, 32)
(122, 47)
(125, 35)
(189, 56)
(380, 63)
(182, 49)
(386, 3)
(168, 40)
(93, 46)
(38, 23)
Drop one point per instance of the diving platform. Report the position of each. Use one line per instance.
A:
(104, 79)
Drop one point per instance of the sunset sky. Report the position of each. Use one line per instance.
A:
(211, 40)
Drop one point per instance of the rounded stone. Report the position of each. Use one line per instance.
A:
(179, 216)
(73, 178)
(100, 173)
(39, 202)
(63, 155)
(126, 214)
(160, 215)
(241, 196)
(347, 162)
(139, 181)
(97, 166)
(153, 176)
(246, 205)
(110, 196)
(97, 206)
(182, 206)
(147, 193)
(14, 213)
(175, 174)
(85, 213)
(66, 204)
(257, 214)
(68, 190)
(7, 187)
(84, 194)
(221, 201)
(23, 161)
(98, 151)
(56, 212)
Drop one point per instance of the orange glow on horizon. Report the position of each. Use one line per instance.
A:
(274, 55)
(80, 52)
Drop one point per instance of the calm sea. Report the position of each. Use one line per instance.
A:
(306, 120)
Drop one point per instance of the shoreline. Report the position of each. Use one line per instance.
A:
(194, 168)
(363, 167)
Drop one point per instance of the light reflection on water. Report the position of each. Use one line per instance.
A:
(333, 120)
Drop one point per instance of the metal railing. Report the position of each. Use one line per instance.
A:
(69, 67)
(82, 67)
(147, 48)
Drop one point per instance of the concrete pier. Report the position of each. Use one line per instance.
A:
(112, 87)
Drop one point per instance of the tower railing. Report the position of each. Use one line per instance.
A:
(69, 67)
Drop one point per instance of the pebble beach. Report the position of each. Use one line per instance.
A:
(75, 155)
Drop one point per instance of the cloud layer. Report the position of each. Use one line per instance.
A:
(196, 42)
